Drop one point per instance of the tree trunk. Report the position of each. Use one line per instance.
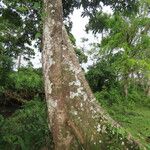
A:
(125, 89)
(19, 62)
(76, 120)
(126, 84)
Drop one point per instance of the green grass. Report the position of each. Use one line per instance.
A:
(136, 120)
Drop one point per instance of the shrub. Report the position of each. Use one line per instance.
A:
(26, 79)
(25, 84)
(109, 97)
(27, 129)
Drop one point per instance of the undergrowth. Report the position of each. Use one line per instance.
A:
(26, 129)
(132, 112)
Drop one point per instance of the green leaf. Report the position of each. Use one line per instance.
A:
(38, 35)
(36, 5)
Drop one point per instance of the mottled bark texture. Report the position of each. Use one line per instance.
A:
(75, 119)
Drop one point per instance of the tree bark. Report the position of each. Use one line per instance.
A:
(19, 62)
(76, 120)
(126, 84)
(52, 67)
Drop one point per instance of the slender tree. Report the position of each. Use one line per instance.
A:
(75, 118)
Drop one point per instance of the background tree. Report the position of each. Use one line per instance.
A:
(126, 36)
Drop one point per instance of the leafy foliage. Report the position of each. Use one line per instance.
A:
(101, 75)
(21, 86)
(26, 79)
(81, 56)
(126, 41)
(26, 129)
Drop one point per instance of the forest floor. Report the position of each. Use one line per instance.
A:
(136, 120)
